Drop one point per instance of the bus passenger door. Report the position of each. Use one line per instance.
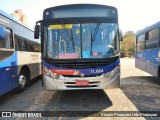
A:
(140, 52)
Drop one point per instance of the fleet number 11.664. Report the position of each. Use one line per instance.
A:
(97, 71)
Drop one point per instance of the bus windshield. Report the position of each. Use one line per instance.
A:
(81, 41)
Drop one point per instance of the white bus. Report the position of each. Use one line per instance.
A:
(20, 58)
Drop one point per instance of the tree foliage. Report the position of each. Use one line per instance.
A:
(128, 44)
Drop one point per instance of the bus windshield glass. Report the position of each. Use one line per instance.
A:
(81, 41)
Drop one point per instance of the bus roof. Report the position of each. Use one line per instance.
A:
(19, 29)
(76, 6)
(80, 11)
(10, 17)
(6, 15)
(148, 28)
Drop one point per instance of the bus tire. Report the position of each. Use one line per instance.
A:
(22, 81)
(115, 83)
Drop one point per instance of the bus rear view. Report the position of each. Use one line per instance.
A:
(80, 47)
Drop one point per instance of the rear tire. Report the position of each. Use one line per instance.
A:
(22, 81)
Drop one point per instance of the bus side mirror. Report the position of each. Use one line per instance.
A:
(36, 32)
(121, 35)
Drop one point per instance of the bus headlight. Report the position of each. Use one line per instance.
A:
(50, 74)
(113, 72)
(106, 75)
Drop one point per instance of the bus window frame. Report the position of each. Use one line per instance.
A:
(141, 42)
(147, 38)
(159, 38)
(12, 37)
(76, 21)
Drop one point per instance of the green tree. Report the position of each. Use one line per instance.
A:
(128, 43)
(129, 34)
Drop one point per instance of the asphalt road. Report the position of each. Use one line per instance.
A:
(139, 92)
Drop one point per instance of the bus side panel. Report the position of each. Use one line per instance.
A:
(9, 74)
(155, 62)
(147, 60)
(140, 61)
(32, 60)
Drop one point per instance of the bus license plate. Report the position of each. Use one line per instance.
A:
(82, 83)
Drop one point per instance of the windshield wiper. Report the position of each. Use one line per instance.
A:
(91, 40)
(68, 34)
(93, 37)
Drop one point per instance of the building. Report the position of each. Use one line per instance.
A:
(18, 15)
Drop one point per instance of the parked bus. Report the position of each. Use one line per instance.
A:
(148, 49)
(20, 57)
(80, 47)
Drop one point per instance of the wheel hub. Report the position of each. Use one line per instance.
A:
(22, 81)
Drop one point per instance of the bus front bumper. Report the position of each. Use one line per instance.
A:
(69, 83)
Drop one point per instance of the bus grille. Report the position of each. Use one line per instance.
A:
(80, 65)
(81, 76)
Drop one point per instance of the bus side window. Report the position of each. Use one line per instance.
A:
(24, 46)
(141, 42)
(39, 48)
(16, 43)
(35, 48)
(8, 39)
(152, 40)
(2, 37)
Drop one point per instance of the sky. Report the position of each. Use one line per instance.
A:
(133, 14)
